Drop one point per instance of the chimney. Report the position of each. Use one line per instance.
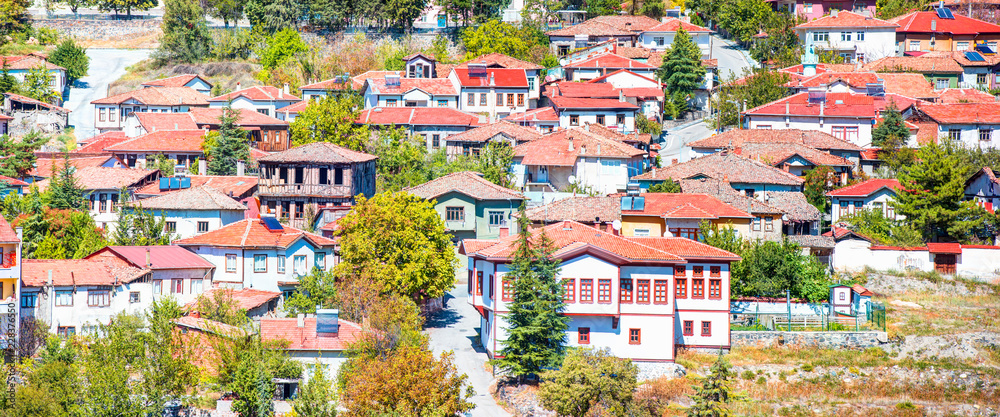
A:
(149, 260)
(492, 80)
(203, 166)
(834, 13)
(822, 106)
(239, 86)
(175, 126)
(301, 320)
(586, 126)
(787, 110)
(598, 149)
(20, 232)
(284, 88)
(240, 168)
(933, 25)
(570, 144)
(50, 278)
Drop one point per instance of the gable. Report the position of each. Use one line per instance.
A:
(198, 84)
(627, 80)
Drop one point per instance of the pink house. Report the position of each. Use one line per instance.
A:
(813, 9)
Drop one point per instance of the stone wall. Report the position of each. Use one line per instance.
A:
(101, 29)
(830, 340)
(653, 370)
(25, 122)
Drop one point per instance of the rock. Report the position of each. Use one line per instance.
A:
(901, 303)
(963, 375)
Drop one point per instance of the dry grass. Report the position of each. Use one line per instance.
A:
(149, 40)
(943, 314)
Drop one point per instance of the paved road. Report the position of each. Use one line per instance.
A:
(730, 57)
(106, 66)
(455, 329)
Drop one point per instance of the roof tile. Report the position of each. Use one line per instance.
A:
(866, 188)
(469, 183)
(252, 233)
(726, 166)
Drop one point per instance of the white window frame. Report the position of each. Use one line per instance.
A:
(259, 262)
(281, 264)
(62, 296)
(640, 232)
(231, 262)
(300, 269)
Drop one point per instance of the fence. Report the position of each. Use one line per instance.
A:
(873, 319)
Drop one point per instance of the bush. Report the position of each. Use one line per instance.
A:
(747, 375)
(807, 367)
(761, 380)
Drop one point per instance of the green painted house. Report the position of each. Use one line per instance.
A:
(471, 206)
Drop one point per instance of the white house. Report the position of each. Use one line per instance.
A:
(852, 36)
(639, 297)
(750, 177)
(497, 60)
(263, 99)
(192, 211)
(661, 36)
(102, 187)
(972, 124)
(576, 159)
(647, 92)
(111, 112)
(617, 114)
(396, 91)
(324, 338)
(193, 81)
(984, 188)
(497, 92)
(432, 125)
(873, 194)
(603, 64)
(854, 252)
(20, 65)
(542, 119)
(262, 254)
(181, 146)
(623, 30)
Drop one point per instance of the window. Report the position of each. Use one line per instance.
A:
(171, 226)
(319, 259)
(821, 36)
(715, 271)
(29, 300)
(574, 120)
(196, 286)
(499, 99)
(981, 79)
(756, 224)
(265, 112)
(520, 100)
(640, 232)
(482, 99)
(764, 127)
(299, 265)
(914, 46)
(845, 208)
(841, 296)
(260, 263)
(688, 328)
(390, 102)
(104, 202)
(941, 83)
(569, 290)
(697, 288)
(680, 271)
(634, 336)
(493, 288)
(609, 166)
(642, 291)
(586, 291)
(338, 176)
(563, 50)
(472, 99)
(680, 288)
(860, 37)
(697, 271)
(298, 210)
(531, 83)
(714, 288)
(202, 227)
(625, 291)
(604, 291)
(134, 297)
(435, 141)
(962, 46)
(479, 282)
(455, 214)
(847, 133)
(177, 286)
(281, 264)
(442, 103)
(102, 114)
(985, 135)
(706, 328)
(954, 134)
(890, 211)
(497, 218)
(600, 119)
(845, 36)
(64, 298)
(620, 119)
(66, 331)
(808, 8)
(769, 224)
(583, 337)
(510, 100)
(660, 295)
(508, 289)
(686, 232)
(158, 286)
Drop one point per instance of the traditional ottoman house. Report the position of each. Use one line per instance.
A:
(470, 205)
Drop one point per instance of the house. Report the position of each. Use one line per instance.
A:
(942, 71)
(20, 65)
(471, 206)
(339, 83)
(396, 91)
(175, 271)
(103, 186)
(420, 66)
(623, 30)
(576, 112)
(10, 277)
(763, 213)
(184, 147)
(797, 159)
(253, 253)
(265, 133)
(852, 36)
(661, 36)
(532, 71)
(736, 138)
(97, 143)
(48, 164)
(987, 10)
(640, 297)
(598, 212)
(4, 124)
(256, 303)
(846, 116)
(984, 188)
(856, 252)
(237, 187)
(649, 100)
(873, 194)
(681, 215)
(753, 178)
(575, 159)
(941, 30)
(814, 9)
(199, 335)
(324, 339)
(193, 81)
(497, 92)
(647, 92)
(979, 70)
(22, 115)
(12, 186)
(603, 64)
(431, 125)
(192, 211)
(472, 142)
(972, 124)
(263, 99)
(543, 119)
(294, 184)
(110, 113)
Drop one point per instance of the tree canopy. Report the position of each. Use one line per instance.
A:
(495, 36)
(332, 119)
(681, 71)
(590, 382)
(892, 128)
(185, 32)
(73, 57)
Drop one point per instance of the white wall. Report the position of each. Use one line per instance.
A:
(590, 116)
(492, 108)
(186, 221)
(244, 275)
(884, 197)
(824, 124)
(879, 42)
(970, 134)
(649, 40)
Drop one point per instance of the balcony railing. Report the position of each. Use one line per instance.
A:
(304, 189)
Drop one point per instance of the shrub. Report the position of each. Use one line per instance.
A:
(807, 367)
(761, 380)
(747, 375)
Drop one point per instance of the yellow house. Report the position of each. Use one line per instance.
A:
(679, 215)
(10, 273)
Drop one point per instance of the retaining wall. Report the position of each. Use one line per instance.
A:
(830, 340)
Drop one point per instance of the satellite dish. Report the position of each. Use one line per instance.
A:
(572, 179)
(617, 225)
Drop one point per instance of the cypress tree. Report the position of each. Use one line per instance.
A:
(65, 192)
(892, 128)
(230, 146)
(536, 333)
(681, 71)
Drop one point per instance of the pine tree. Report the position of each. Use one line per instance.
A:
(7, 82)
(230, 146)
(65, 192)
(681, 71)
(712, 398)
(536, 333)
(138, 227)
(316, 398)
(253, 388)
(185, 32)
(892, 129)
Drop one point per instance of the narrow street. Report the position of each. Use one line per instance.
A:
(455, 328)
(106, 66)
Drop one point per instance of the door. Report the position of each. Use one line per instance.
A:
(543, 174)
(442, 20)
(945, 263)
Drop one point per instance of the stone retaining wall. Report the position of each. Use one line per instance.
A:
(102, 29)
(830, 340)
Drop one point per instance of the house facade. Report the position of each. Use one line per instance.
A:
(264, 132)
(532, 71)
(471, 206)
(10, 276)
(191, 211)
(102, 189)
(397, 91)
(111, 113)
(972, 124)
(851, 36)
(430, 125)
(578, 112)
(266, 100)
(472, 142)
(681, 215)
(875, 194)
(815, 9)
(323, 339)
(661, 36)
(193, 81)
(20, 65)
(627, 294)
(181, 146)
(984, 188)
(173, 271)
(622, 30)
(575, 159)
(497, 92)
(936, 30)
(595, 66)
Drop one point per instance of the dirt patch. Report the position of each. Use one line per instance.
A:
(521, 399)
(226, 74)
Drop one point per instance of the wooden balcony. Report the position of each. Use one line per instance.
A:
(314, 190)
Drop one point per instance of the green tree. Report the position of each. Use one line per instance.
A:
(652, 9)
(819, 181)
(271, 16)
(892, 128)
(781, 47)
(888, 9)
(495, 163)
(401, 161)
(316, 289)
(126, 5)
(648, 126)
(668, 186)
(14, 18)
(7, 82)
(399, 240)
(704, 9)
(536, 326)
(754, 88)
(227, 10)
(229, 146)
(712, 398)
(495, 36)
(50, 248)
(332, 119)
(317, 397)
(253, 388)
(281, 47)
(185, 32)
(597, 8)
(65, 192)
(589, 382)
(73, 57)
(38, 85)
(220, 306)
(138, 227)
(21, 159)
(744, 18)
(681, 71)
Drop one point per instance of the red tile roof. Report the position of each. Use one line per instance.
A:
(611, 25)
(907, 84)
(866, 188)
(943, 247)
(777, 153)
(29, 61)
(76, 272)
(962, 113)
(7, 233)
(194, 198)
(102, 178)
(738, 137)
(239, 186)
(469, 183)
(318, 152)
(257, 93)
(100, 142)
(836, 105)
(685, 248)
(175, 81)
(432, 86)
(541, 114)
(686, 206)
(505, 128)
(500, 60)
(29, 100)
(723, 191)
(920, 22)
(336, 83)
(163, 141)
(608, 61)
(853, 79)
(161, 96)
(921, 64)
(672, 23)
(622, 71)
(252, 233)
(964, 95)
(247, 117)
(209, 326)
(165, 121)
(305, 337)
(358, 81)
(295, 108)
(418, 116)
(563, 147)
(498, 77)
(845, 19)
(160, 257)
(46, 165)
(575, 89)
(246, 298)
(12, 182)
(580, 209)
(723, 166)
